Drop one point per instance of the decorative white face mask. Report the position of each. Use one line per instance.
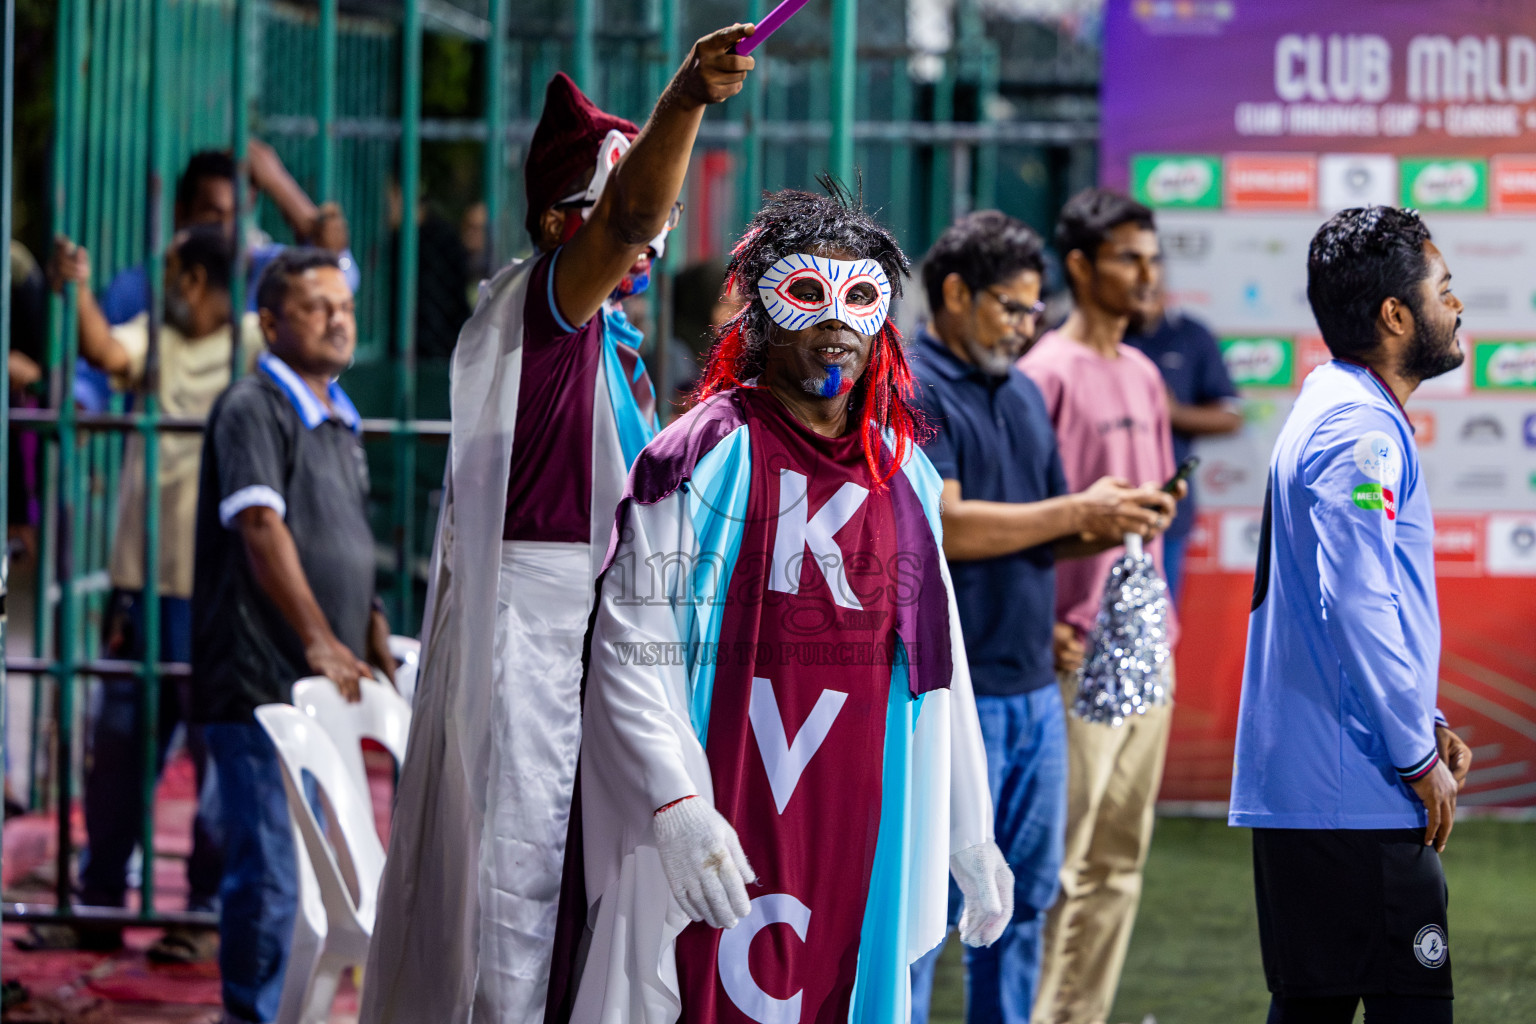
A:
(614, 146)
(840, 297)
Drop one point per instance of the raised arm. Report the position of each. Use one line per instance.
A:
(638, 198)
(323, 225)
(72, 263)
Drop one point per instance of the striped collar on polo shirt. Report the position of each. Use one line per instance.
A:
(311, 410)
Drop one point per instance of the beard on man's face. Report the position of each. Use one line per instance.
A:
(1434, 350)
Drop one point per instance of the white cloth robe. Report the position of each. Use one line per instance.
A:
(424, 962)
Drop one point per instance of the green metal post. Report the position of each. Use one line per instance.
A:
(845, 57)
(7, 104)
(750, 192)
(495, 130)
(240, 130)
(939, 181)
(405, 306)
(663, 66)
(583, 58)
(71, 41)
(158, 218)
(325, 114)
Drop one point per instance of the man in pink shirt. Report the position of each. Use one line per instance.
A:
(1109, 407)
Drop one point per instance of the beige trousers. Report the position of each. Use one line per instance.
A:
(1113, 778)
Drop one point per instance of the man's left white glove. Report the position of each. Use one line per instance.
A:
(987, 885)
(704, 863)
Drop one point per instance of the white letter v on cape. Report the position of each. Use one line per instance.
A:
(783, 760)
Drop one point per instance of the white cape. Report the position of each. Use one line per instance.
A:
(641, 751)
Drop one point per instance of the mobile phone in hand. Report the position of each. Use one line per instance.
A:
(1186, 470)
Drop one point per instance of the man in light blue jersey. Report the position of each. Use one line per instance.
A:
(1345, 769)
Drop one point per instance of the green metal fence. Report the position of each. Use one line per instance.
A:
(339, 88)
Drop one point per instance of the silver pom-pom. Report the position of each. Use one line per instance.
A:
(1126, 670)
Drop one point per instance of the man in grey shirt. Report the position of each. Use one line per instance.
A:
(283, 588)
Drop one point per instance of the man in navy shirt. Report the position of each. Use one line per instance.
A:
(1202, 402)
(1007, 515)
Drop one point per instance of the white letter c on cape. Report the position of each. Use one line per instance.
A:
(735, 943)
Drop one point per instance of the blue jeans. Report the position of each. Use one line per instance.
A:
(260, 894)
(1173, 565)
(1026, 741)
(114, 786)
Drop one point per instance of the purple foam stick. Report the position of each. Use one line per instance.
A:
(768, 26)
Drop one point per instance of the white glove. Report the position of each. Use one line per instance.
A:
(987, 884)
(703, 862)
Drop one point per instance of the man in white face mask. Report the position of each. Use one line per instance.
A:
(551, 405)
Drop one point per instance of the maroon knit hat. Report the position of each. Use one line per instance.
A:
(565, 144)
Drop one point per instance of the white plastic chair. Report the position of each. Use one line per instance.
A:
(346, 866)
(382, 716)
(407, 653)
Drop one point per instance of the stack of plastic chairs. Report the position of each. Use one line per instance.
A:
(339, 869)
(407, 653)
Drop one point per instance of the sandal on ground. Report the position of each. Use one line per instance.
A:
(184, 946)
(41, 937)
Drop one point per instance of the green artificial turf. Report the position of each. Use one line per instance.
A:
(1194, 958)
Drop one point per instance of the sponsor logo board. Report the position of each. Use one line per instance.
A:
(1177, 181)
(1512, 184)
(1356, 179)
(1424, 427)
(1504, 365)
(1452, 185)
(1459, 544)
(1264, 362)
(1239, 542)
(1270, 181)
(1511, 545)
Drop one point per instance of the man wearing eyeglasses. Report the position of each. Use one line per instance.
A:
(551, 405)
(1008, 515)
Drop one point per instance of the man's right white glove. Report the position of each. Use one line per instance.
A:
(986, 882)
(704, 863)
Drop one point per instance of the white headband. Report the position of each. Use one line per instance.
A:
(837, 278)
(614, 146)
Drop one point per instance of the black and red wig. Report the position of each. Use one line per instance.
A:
(789, 222)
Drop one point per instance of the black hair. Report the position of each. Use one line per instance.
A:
(984, 248)
(290, 263)
(1357, 260)
(208, 163)
(1088, 218)
(210, 247)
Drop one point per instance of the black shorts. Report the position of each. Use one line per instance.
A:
(1351, 912)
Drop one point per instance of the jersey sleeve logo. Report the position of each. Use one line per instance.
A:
(1378, 457)
(1376, 498)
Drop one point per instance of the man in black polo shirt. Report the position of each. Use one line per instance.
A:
(1007, 516)
(283, 588)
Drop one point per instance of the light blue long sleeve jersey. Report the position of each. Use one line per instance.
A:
(1338, 707)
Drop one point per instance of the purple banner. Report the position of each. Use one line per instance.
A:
(1431, 78)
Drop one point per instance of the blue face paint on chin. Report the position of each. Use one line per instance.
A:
(830, 386)
(630, 286)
